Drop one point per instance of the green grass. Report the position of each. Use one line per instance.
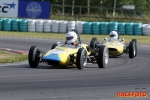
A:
(96, 17)
(144, 40)
(8, 57)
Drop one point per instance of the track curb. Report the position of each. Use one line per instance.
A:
(15, 51)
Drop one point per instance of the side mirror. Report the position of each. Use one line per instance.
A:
(105, 39)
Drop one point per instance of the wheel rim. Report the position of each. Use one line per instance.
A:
(106, 56)
(134, 49)
(37, 56)
(84, 59)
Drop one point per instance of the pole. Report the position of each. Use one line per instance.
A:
(114, 9)
(88, 5)
(72, 7)
(63, 7)
(101, 7)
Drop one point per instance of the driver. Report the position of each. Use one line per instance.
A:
(114, 35)
(71, 38)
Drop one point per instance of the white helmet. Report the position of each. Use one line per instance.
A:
(114, 34)
(71, 37)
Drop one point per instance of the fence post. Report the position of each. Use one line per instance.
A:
(63, 7)
(134, 12)
(51, 10)
(80, 11)
(106, 12)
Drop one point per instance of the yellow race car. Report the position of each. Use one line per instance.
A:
(62, 54)
(117, 47)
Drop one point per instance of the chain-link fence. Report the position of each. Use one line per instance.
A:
(99, 13)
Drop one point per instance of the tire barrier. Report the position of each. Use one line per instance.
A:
(31, 25)
(55, 26)
(129, 28)
(23, 25)
(7, 24)
(87, 28)
(47, 26)
(121, 28)
(1, 24)
(39, 25)
(71, 25)
(113, 26)
(96, 28)
(62, 26)
(137, 27)
(14, 23)
(146, 29)
(79, 26)
(104, 28)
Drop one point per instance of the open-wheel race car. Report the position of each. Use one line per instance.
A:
(63, 54)
(118, 46)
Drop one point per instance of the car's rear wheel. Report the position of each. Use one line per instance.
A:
(34, 57)
(103, 56)
(136, 46)
(81, 59)
(54, 46)
(132, 49)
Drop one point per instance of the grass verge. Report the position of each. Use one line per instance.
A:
(8, 57)
(142, 40)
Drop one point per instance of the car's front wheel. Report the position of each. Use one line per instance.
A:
(93, 43)
(34, 57)
(81, 59)
(136, 46)
(132, 49)
(103, 56)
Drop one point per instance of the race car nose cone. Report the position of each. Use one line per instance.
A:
(52, 57)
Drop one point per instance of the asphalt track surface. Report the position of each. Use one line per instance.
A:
(20, 82)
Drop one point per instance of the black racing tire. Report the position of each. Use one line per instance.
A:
(81, 59)
(103, 56)
(34, 57)
(93, 43)
(132, 49)
(136, 46)
(54, 46)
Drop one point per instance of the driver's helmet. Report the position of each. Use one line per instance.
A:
(71, 37)
(113, 35)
